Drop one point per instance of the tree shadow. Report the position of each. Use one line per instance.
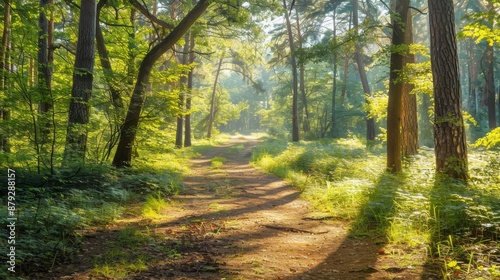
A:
(466, 224)
(359, 253)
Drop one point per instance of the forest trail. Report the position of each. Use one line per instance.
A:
(232, 221)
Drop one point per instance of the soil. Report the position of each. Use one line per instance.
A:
(236, 222)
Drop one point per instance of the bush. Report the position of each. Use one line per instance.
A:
(491, 140)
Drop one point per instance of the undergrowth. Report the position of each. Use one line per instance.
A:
(54, 210)
(453, 225)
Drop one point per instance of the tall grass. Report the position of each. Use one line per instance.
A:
(415, 209)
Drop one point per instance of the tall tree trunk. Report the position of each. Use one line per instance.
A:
(79, 109)
(472, 69)
(334, 81)
(132, 50)
(399, 19)
(358, 56)
(490, 77)
(182, 93)
(46, 123)
(302, 80)
(123, 155)
(109, 75)
(409, 119)
(4, 72)
(293, 62)
(343, 93)
(449, 131)
(211, 117)
(489, 86)
(118, 111)
(187, 119)
(44, 68)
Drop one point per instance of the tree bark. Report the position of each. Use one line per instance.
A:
(79, 109)
(187, 120)
(489, 87)
(490, 77)
(334, 81)
(302, 80)
(211, 117)
(370, 122)
(449, 133)
(182, 94)
(472, 69)
(293, 62)
(123, 155)
(409, 116)
(4, 70)
(44, 68)
(109, 75)
(399, 19)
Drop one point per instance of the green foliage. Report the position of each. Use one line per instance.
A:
(377, 105)
(491, 140)
(217, 161)
(56, 209)
(153, 207)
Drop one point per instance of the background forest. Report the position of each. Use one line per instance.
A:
(100, 104)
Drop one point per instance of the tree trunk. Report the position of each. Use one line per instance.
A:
(211, 117)
(490, 77)
(334, 81)
(4, 70)
(302, 80)
(46, 117)
(449, 132)
(370, 122)
(44, 68)
(472, 69)
(109, 75)
(123, 155)
(293, 62)
(409, 117)
(399, 20)
(79, 109)
(489, 87)
(187, 130)
(182, 94)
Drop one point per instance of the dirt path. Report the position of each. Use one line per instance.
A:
(235, 222)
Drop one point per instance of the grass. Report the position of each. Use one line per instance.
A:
(55, 210)
(153, 207)
(456, 225)
(217, 161)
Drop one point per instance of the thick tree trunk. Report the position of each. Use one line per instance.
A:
(449, 131)
(79, 109)
(293, 62)
(123, 155)
(334, 81)
(358, 56)
(399, 20)
(409, 116)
